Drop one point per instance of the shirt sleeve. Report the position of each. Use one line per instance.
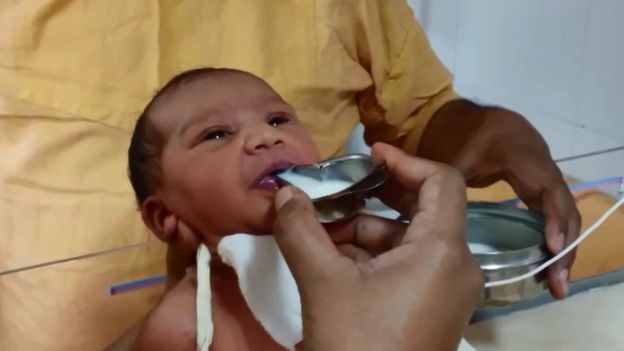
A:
(409, 82)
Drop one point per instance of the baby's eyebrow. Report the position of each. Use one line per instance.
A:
(187, 126)
(196, 118)
(278, 103)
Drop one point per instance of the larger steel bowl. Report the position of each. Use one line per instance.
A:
(516, 239)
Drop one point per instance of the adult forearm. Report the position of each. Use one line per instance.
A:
(481, 141)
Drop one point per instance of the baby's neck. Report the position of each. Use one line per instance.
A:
(235, 326)
(220, 270)
(224, 284)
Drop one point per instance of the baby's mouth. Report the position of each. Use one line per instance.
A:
(268, 183)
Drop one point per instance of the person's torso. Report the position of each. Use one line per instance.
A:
(104, 60)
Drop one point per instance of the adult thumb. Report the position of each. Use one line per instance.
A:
(306, 246)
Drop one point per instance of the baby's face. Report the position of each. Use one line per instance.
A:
(224, 135)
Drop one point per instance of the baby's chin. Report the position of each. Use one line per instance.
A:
(256, 219)
(265, 225)
(260, 225)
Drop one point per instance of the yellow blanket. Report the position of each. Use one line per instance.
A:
(67, 306)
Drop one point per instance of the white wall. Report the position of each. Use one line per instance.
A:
(558, 62)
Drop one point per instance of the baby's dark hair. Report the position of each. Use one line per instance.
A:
(147, 142)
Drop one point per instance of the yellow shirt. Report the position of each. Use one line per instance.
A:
(74, 76)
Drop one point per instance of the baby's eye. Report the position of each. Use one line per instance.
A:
(276, 120)
(216, 134)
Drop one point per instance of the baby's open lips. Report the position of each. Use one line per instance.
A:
(267, 181)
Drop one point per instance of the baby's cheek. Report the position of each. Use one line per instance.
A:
(305, 147)
(250, 215)
(262, 217)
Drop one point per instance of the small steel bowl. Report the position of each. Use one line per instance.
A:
(517, 236)
(357, 169)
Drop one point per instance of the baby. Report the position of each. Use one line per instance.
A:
(200, 159)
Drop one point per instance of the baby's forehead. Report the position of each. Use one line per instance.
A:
(216, 86)
(210, 93)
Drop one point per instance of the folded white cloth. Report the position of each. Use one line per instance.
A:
(268, 286)
(203, 300)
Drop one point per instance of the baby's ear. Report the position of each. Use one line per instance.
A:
(159, 219)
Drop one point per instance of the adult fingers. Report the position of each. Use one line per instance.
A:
(355, 253)
(406, 175)
(441, 189)
(181, 250)
(370, 232)
(378, 235)
(562, 227)
(303, 241)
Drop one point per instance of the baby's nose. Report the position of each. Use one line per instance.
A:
(261, 140)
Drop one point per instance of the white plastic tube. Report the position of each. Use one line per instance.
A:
(564, 252)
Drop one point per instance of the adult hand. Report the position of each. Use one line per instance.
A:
(488, 144)
(417, 295)
(540, 185)
(181, 251)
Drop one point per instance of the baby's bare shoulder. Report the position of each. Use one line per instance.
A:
(172, 324)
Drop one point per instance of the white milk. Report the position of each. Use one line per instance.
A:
(478, 248)
(316, 188)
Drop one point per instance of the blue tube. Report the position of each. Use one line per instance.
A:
(136, 284)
